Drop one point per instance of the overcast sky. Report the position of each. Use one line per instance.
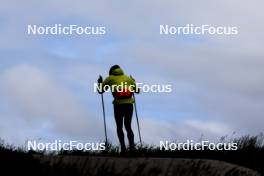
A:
(46, 82)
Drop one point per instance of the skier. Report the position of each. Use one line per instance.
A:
(122, 88)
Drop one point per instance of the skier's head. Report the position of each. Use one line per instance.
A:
(113, 68)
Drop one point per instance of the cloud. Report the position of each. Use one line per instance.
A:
(40, 102)
(225, 87)
(155, 130)
(218, 79)
(208, 127)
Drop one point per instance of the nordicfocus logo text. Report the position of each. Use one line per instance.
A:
(59, 29)
(203, 145)
(190, 29)
(58, 145)
(154, 88)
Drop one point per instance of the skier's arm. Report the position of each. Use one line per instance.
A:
(106, 84)
(136, 88)
(103, 85)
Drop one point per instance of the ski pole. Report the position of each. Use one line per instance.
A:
(104, 119)
(102, 97)
(135, 105)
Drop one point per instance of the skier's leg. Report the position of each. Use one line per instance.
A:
(128, 119)
(119, 125)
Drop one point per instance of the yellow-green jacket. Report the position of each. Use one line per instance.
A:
(118, 77)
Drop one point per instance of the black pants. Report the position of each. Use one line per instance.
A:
(124, 112)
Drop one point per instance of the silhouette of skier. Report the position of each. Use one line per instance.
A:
(123, 102)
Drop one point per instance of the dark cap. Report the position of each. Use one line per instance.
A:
(113, 68)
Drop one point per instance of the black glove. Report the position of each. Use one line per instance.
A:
(100, 79)
(132, 78)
